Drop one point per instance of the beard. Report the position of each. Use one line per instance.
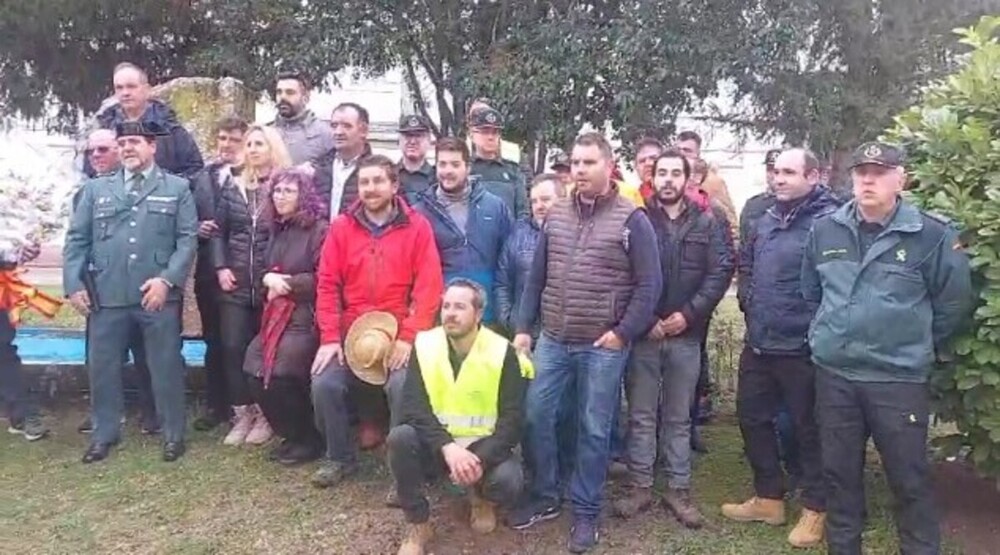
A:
(669, 200)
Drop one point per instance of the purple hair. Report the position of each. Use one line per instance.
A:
(311, 207)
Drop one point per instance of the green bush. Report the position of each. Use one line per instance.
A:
(953, 142)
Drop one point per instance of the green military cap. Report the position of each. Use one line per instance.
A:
(771, 157)
(487, 118)
(413, 123)
(881, 154)
(146, 129)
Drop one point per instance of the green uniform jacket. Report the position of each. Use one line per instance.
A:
(126, 239)
(882, 317)
(504, 179)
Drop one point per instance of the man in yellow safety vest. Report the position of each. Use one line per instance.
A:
(461, 416)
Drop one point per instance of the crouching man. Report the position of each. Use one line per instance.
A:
(461, 416)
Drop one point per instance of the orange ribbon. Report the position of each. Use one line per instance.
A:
(16, 296)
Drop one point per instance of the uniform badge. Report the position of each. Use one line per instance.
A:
(873, 151)
(901, 255)
(491, 118)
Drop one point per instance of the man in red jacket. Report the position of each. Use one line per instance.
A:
(378, 255)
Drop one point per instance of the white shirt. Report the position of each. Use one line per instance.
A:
(342, 170)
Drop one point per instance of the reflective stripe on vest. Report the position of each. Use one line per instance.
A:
(467, 406)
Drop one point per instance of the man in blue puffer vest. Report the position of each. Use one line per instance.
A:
(470, 224)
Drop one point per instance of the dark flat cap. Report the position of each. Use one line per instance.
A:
(414, 123)
(878, 153)
(771, 157)
(486, 117)
(147, 129)
(559, 160)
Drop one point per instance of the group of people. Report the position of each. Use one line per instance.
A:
(517, 337)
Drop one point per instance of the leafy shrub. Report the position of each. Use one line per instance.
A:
(953, 141)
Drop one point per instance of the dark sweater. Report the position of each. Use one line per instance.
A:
(645, 260)
(492, 449)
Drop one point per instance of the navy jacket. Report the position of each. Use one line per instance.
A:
(472, 252)
(512, 272)
(770, 272)
(176, 152)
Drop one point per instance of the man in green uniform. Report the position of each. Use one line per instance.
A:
(136, 231)
(415, 173)
(496, 175)
(892, 285)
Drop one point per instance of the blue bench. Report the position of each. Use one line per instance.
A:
(66, 347)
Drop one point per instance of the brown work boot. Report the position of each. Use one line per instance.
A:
(679, 502)
(809, 530)
(417, 539)
(757, 509)
(482, 516)
(635, 501)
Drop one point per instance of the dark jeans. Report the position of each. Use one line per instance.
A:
(112, 329)
(239, 324)
(895, 415)
(206, 293)
(13, 391)
(412, 462)
(765, 383)
(597, 376)
(287, 407)
(788, 448)
(143, 381)
(338, 395)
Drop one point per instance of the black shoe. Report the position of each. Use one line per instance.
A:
(531, 513)
(208, 422)
(173, 450)
(298, 453)
(31, 428)
(275, 454)
(583, 536)
(149, 425)
(97, 452)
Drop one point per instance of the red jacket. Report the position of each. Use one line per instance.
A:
(398, 271)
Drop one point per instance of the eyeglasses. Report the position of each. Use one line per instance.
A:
(284, 191)
(98, 150)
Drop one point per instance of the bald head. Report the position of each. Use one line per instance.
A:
(102, 151)
(131, 89)
(796, 174)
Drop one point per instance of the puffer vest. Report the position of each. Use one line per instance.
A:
(588, 275)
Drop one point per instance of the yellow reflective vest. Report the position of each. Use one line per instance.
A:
(466, 406)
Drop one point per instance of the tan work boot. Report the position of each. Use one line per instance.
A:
(482, 517)
(809, 530)
(417, 539)
(757, 509)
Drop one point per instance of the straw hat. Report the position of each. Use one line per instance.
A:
(368, 344)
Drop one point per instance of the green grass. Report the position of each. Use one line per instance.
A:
(225, 500)
(66, 318)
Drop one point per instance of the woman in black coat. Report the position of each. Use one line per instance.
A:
(238, 250)
(280, 356)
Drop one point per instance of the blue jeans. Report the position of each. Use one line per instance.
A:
(597, 374)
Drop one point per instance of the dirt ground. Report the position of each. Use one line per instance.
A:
(970, 509)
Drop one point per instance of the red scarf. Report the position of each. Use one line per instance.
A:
(277, 315)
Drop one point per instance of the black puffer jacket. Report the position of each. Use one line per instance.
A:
(241, 243)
